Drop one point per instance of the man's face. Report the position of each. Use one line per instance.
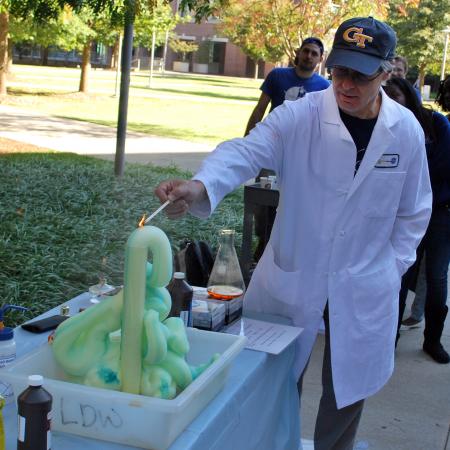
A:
(308, 57)
(357, 94)
(399, 70)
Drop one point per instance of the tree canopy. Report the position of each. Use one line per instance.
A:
(419, 26)
(246, 25)
(114, 12)
(267, 29)
(119, 10)
(159, 19)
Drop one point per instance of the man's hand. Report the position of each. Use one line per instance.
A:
(182, 194)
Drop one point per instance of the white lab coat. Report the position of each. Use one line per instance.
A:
(337, 237)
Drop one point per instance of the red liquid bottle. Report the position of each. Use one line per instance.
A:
(34, 406)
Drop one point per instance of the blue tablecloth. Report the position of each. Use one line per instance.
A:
(257, 409)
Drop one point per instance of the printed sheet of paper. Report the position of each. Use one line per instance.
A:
(264, 336)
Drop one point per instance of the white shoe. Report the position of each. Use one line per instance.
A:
(306, 444)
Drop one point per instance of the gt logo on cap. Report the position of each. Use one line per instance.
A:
(357, 36)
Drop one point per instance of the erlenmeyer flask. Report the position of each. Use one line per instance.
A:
(226, 281)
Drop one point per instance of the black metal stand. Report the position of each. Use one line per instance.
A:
(254, 196)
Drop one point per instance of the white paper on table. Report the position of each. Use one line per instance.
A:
(264, 336)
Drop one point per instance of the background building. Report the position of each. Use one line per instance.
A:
(215, 54)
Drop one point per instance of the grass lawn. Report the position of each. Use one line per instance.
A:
(65, 218)
(198, 108)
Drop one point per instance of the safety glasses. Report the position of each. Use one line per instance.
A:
(339, 73)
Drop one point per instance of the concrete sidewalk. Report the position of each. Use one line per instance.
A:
(85, 138)
(411, 413)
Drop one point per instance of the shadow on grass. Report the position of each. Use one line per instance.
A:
(205, 79)
(155, 130)
(38, 92)
(201, 93)
(178, 133)
(70, 96)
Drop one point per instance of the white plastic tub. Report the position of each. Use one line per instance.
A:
(119, 417)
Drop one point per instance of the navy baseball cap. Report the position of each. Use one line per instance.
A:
(362, 44)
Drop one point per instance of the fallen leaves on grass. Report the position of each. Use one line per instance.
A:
(10, 146)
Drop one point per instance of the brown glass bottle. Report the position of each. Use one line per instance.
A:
(181, 293)
(34, 406)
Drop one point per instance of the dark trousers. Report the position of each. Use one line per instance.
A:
(437, 258)
(335, 428)
(401, 305)
(436, 244)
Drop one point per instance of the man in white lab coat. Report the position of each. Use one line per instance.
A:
(355, 200)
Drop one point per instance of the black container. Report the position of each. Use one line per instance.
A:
(34, 406)
(181, 294)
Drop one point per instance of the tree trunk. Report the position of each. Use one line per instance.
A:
(10, 56)
(4, 25)
(85, 68)
(137, 59)
(152, 57)
(115, 55)
(421, 76)
(165, 51)
(256, 69)
(44, 60)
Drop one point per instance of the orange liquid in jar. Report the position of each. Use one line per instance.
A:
(223, 292)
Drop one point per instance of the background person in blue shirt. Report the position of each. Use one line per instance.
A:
(290, 83)
(285, 83)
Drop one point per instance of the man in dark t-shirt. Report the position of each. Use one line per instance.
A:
(290, 83)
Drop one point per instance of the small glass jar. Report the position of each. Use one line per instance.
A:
(99, 289)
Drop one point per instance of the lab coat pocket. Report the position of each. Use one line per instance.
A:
(381, 193)
(374, 297)
(280, 284)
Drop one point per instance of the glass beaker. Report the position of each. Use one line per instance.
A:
(226, 281)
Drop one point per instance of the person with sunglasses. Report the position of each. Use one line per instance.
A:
(355, 201)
